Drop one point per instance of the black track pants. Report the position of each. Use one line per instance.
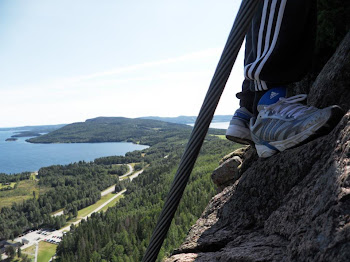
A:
(279, 47)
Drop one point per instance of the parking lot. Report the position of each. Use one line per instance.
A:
(34, 236)
(53, 239)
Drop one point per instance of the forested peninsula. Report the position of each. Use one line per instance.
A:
(26, 134)
(115, 129)
(123, 231)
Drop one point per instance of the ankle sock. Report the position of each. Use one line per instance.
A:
(271, 97)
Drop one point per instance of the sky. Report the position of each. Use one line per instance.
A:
(64, 61)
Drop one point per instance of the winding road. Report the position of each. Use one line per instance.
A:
(111, 188)
(34, 237)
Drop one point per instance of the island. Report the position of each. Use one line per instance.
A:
(26, 134)
(11, 139)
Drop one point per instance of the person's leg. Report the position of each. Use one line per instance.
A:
(238, 130)
(247, 96)
(284, 45)
(283, 56)
(282, 53)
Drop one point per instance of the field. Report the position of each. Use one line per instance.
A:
(87, 210)
(23, 191)
(112, 203)
(220, 136)
(46, 251)
(57, 211)
(30, 252)
(4, 186)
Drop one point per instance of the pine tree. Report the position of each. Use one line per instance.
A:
(19, 252)
(10, 252)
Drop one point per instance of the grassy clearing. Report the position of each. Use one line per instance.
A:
(109, 188)
(57, 211)
(17, 259)
(125, 177)
(87, 210)
(23, 191)
(33, 176)
(112, 203)
(11, 185)
(220, 136)
(46, 251)
(30, 252)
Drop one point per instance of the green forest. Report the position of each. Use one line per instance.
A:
(128, 225)
(115, 129)
(71, 187)
(123, 232)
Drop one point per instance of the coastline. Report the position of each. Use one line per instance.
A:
(21, 156)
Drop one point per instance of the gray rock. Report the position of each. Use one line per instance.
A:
(227, 173)
(332, 85)
(232, 166)
(294, 206)
(240, 152)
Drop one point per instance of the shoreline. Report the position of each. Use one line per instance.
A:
(60, 154)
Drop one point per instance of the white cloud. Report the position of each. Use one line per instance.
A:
(169, 87)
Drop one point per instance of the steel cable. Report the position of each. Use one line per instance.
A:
(200, 129)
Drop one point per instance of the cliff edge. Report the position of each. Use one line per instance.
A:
(294, 206)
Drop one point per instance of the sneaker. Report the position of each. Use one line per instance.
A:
(286, 124)
(238, 130)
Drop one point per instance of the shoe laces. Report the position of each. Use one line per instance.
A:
(289, 106)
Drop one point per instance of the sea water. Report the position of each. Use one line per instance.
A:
(19, 156)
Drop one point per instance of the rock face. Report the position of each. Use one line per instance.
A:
(294, 206)
(229, 170)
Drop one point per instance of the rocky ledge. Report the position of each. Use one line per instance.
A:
(294, 206)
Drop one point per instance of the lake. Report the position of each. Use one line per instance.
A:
(220, 125)
(217, 125)
(20, 156)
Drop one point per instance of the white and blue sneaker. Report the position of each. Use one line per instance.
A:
(287, 123)
(238, 130)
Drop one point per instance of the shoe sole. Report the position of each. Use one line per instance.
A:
(303, 138)
(239, 134)
(240, 140)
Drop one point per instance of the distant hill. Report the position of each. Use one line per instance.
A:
(37, 129)
(188, 119)
(115, 129)
(26, 134)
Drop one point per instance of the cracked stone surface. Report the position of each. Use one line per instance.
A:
(294, 206)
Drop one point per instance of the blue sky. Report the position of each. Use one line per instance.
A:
(65, 61)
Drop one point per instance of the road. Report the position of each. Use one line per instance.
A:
(111, 188)
(131, 169)
(67, 228)
(35, 237)
(136, 174)
(36, 251)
